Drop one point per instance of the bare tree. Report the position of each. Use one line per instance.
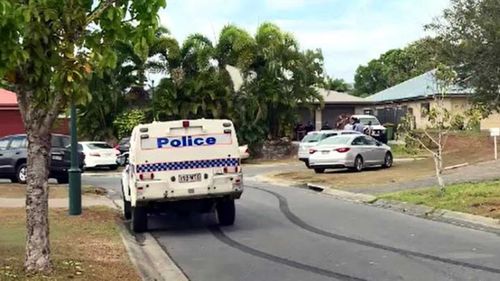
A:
(434, 135)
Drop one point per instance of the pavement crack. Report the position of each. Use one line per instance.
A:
(217, 232)
(285, 209)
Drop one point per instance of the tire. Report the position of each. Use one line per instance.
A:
(358, 164)
(62, 178)
(139, 217)
(113, 167)
(127, 209)
(22, 173)
(226, 212)
(388, 159)
(319, 170)
(307, 164)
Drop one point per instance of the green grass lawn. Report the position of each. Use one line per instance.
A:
(86, 247)
(475, 198)
(399, 151)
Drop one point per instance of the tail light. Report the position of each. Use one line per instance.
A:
(185, 124)
(94, 154)
(117, 147)
(227, 170)
(342, 149)
(141, 177)
(312, 151)
(152, 176)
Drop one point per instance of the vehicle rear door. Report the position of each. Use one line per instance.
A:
(359, 147)
(372, 152)
(60, 155)
(4, 159)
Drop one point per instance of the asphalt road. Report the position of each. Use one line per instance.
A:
(295, 234)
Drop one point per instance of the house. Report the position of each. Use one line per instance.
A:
(334, 104)
(416, 96)
(12, 122)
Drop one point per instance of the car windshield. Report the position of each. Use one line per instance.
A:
(124, 141)
(366, 120)
(335, 140)
(312, 138)
(98, 145)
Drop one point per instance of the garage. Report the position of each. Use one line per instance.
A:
(331, 112)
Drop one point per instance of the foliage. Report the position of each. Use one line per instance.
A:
(126, 121)
(50, 51)
(335, 84)
(396, 66)
(457, 122)
(469, 32)
(276, 77)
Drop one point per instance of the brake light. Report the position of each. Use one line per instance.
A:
(152, 176)
(185, 124)
(94, 154)
(342, 149)
(225, 170)
(141, 177)
(312, 151)
(117, 147)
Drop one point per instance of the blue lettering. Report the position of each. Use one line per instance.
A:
(211, 141)
(185, 141)
(161, 142)
(175, 143)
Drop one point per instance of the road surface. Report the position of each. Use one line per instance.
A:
(295, 234)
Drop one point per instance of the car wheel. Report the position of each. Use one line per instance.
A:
(319, 170)
(139, 217)
(307, 164)
(226, 212)
(388, 160)
(62, 178)
(127, 209)
(113, 167)
(22, 173)
(358, 164)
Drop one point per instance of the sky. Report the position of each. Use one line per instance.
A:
(349, 32)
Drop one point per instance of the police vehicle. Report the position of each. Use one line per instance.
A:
(185, 165)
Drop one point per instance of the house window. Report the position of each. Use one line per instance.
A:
(424, 108)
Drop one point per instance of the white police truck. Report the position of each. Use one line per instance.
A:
(185, 166)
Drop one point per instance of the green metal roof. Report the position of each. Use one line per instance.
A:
(418, 87)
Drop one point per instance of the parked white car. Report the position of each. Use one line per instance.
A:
(99, 154)
(312, 139)
(349, 151)
(244, 152)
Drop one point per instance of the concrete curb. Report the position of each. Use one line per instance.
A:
(149, 258)
(104, 174)
(408, 208)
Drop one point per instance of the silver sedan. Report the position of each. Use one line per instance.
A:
(349, 151)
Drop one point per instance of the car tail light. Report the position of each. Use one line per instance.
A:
(225, 170)
(152, 176)
(312, 151)
(185, 124)
(141, 177)
(342, 149)
(117, 147)
(94, 154)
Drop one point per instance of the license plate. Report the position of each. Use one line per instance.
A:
(325, 152)
(190, 178)
(57, 157)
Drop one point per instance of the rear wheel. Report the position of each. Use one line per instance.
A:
(307, 163)
(319, 170)
(388, 160)
(226, 212)
(139, 217)
(113, 167)
(358, 164)
(22, 173)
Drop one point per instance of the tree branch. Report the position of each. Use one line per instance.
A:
(54, 110)
(430, 137)
(97, 12)
(422, 144)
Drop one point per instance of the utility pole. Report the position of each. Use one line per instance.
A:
(75, 180)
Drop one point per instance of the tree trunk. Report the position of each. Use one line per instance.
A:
(37, 220)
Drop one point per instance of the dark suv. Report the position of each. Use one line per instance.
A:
(14, 151)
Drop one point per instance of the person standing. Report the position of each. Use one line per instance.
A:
(309, 127)
(358, 126)
(326, 126)
(350, 125)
